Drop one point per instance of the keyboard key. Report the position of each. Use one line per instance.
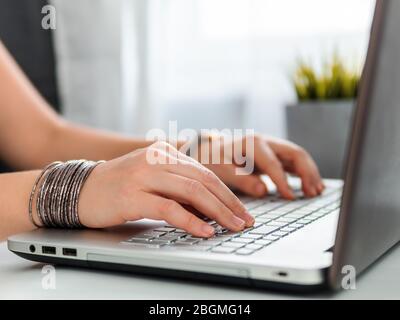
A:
(198, 248)
(264, 209)
(141, 237)
(276, 223)
(280, 234)
(263, 242)
(221, 230)
(187, 241)
(270, 206)
(253, 204)
(263, 220)
(177, 234)
(220, 249)
(233, 244)
(209, 242)
(193, 237)
(251, 236)
(295, 215)
(253, 246)
(180, 245)
(244, 251)
(256, 212)
(225, 236)
(242, 240)
(150, 236)
(314, 217)
(304, 221)
(264, 230)
(179, 231)
(155, 233)
(288, 229)
(169, 238)
(286, 219)
(165, 229)
(270, 215)
(271, 238)
(303, 211)
(320, 213)
(296, 225)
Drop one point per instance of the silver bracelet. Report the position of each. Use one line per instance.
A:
(34, 190)
(57, 191)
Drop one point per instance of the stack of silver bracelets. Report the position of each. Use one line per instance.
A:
(57, 192)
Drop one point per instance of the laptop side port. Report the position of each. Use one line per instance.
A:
(69, 252)
(48, 250)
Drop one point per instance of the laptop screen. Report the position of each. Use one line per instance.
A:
(369, 222)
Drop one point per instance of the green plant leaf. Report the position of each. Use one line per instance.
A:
(336, 81)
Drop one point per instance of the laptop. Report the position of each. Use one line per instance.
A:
(301, 245)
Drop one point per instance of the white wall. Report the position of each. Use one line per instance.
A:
(123, 62)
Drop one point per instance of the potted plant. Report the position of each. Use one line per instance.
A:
(321, 120)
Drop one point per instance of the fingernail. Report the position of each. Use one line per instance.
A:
(260, 189)
(291, 195)
(208, 230)
(250, 220)
(238, 222)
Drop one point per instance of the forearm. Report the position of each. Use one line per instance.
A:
(15, 189)
(32, 135)
(78, 142)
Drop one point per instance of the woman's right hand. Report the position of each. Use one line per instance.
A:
(132, 187)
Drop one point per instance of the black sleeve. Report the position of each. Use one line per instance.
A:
(32, 47)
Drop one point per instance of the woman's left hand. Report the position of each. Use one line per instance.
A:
(271, 156)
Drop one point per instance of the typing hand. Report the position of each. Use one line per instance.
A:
(132, 188)
(271, 156)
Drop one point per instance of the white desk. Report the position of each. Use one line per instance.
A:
(21, 279)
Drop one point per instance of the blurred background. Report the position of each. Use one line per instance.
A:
(132, 65)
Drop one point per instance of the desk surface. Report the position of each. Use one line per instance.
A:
(21, 279)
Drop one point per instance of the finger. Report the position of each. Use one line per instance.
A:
(208, 178)
(310, 183)
(267, 161)
(311, 187)
(180, 164)
(199, 197)
(303, 166)
(250, 184)
(158, 208)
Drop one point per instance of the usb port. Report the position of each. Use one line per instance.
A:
(48, 250)
(69, 252)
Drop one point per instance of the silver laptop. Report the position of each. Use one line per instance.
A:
(299, 245)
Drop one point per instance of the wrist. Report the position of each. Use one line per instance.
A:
(90, 198)
(54, 199)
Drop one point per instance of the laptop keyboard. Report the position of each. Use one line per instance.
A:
(274, 219)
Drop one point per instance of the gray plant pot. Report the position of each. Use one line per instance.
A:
(322, 128)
